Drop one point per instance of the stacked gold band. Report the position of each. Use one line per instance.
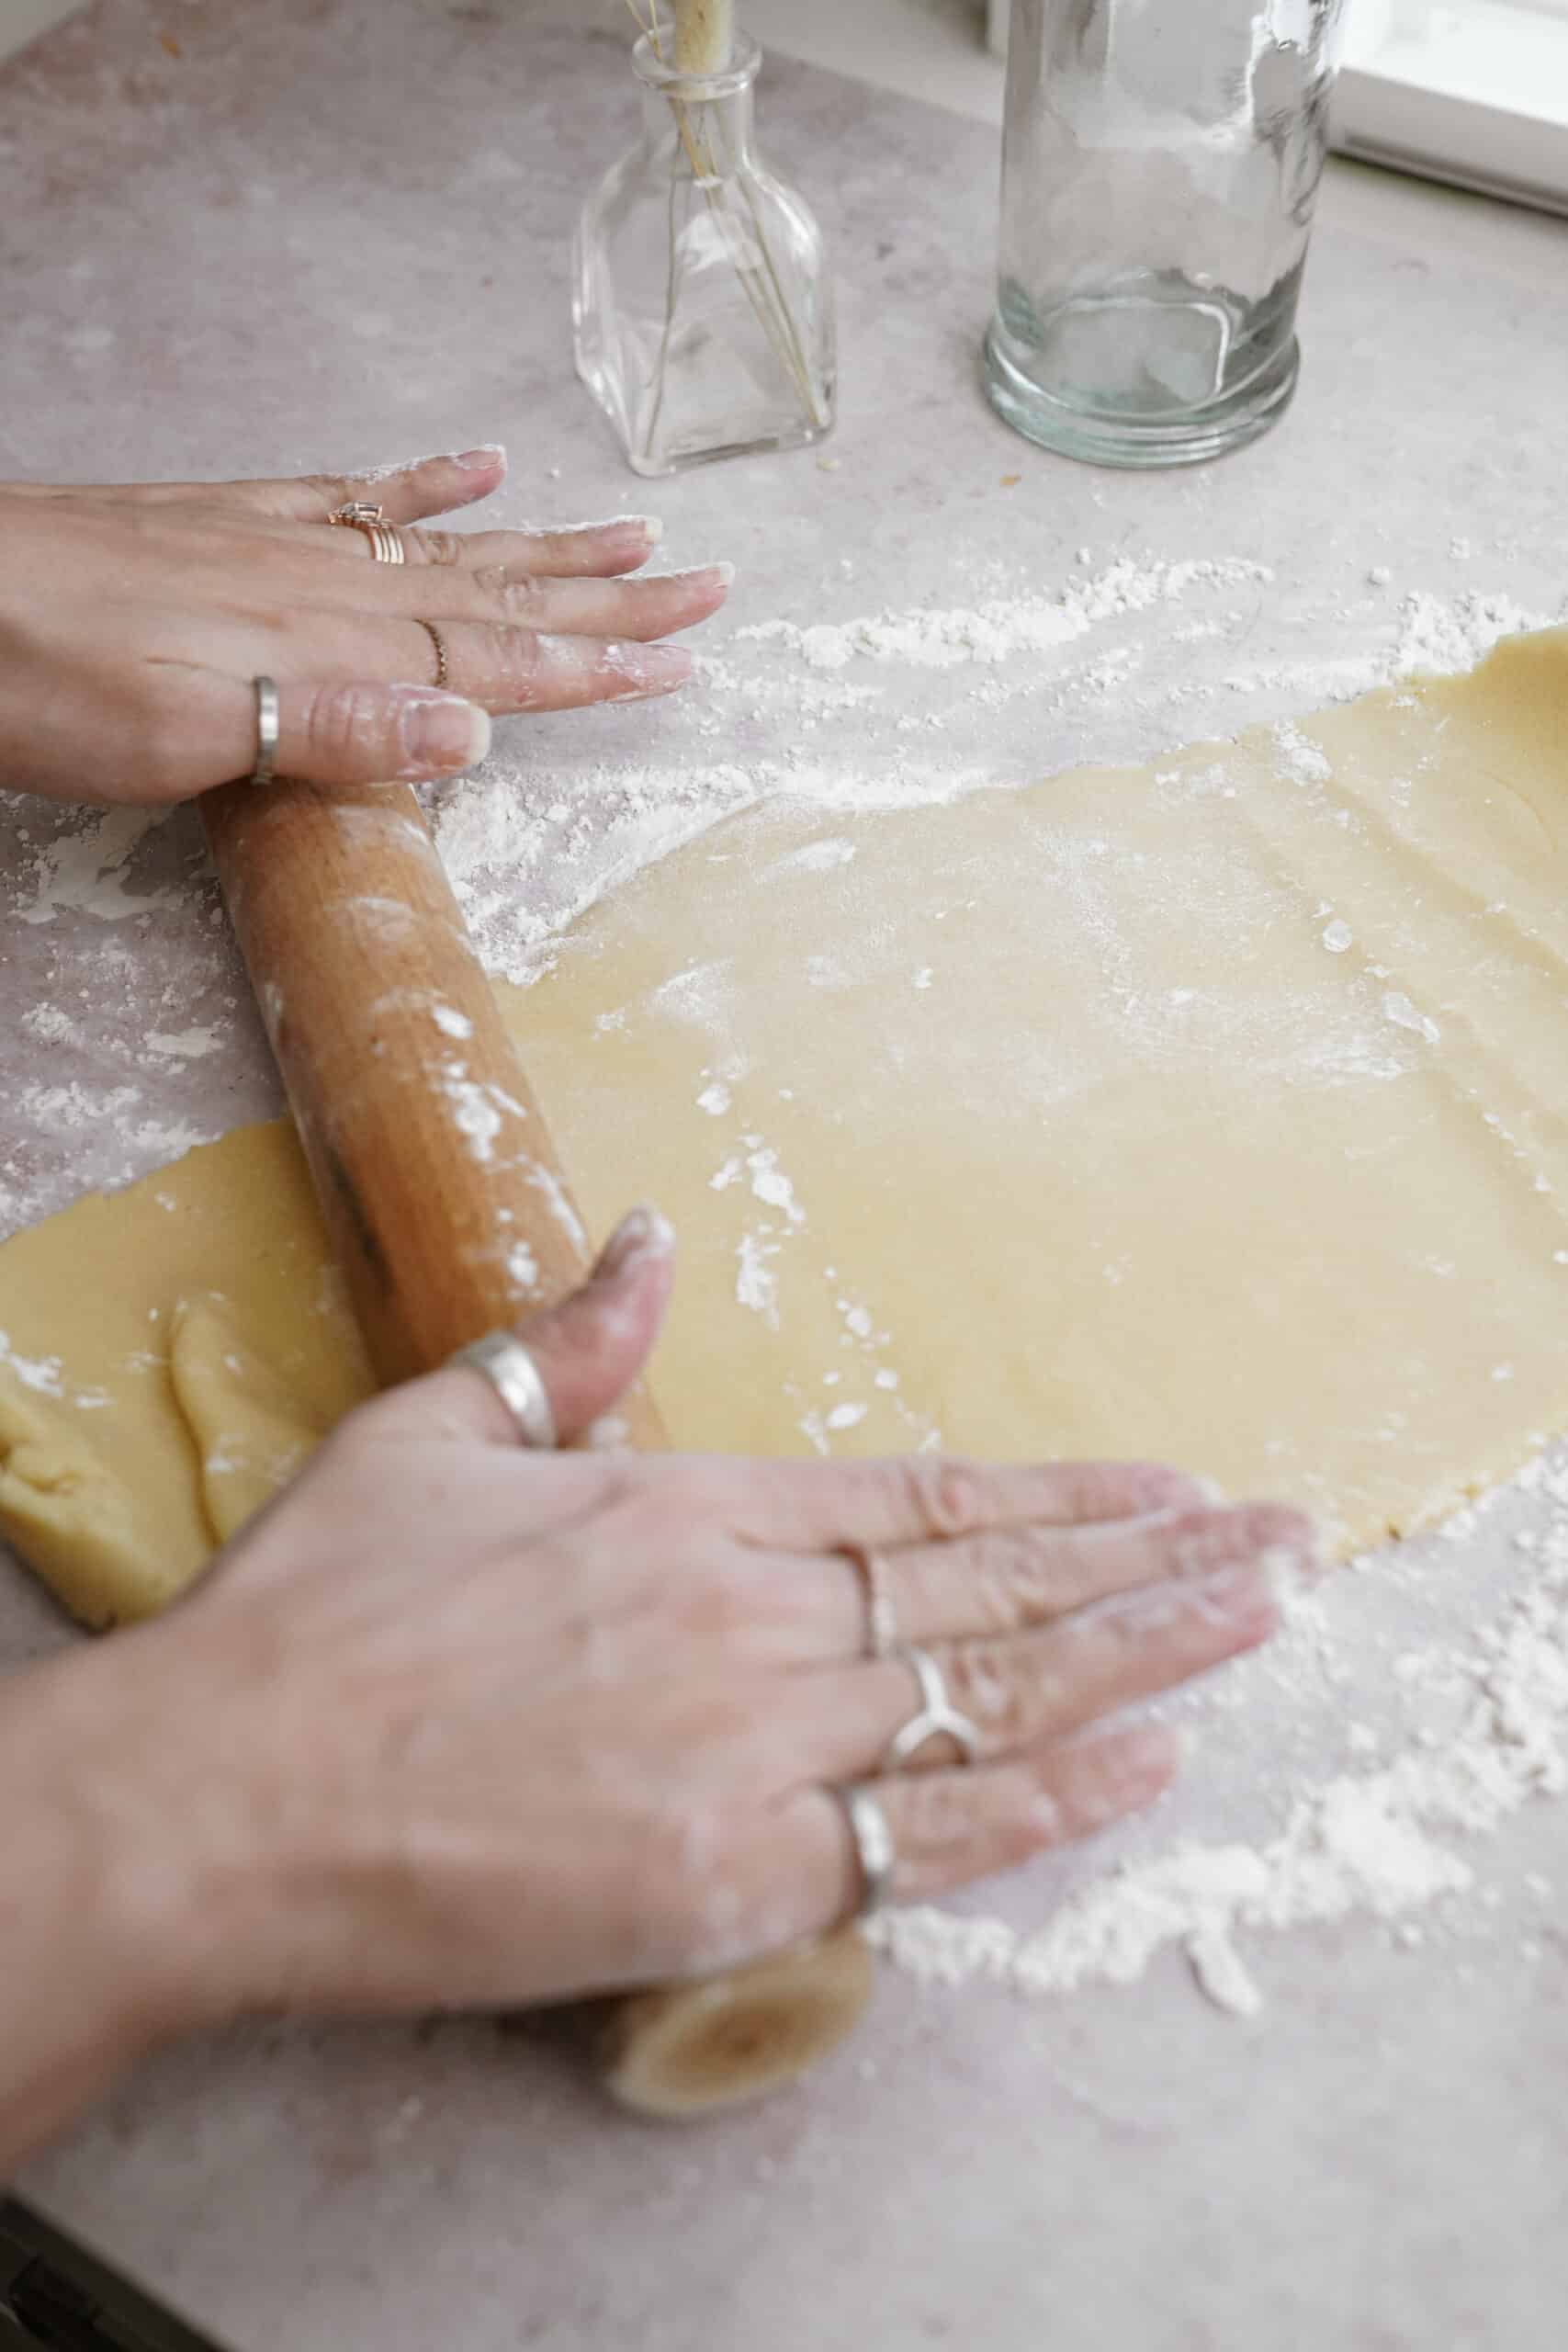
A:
(386, 546)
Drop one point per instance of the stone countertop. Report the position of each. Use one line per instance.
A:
(214, 258)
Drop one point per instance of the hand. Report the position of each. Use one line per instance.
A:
(132, 621)
(457, 1723)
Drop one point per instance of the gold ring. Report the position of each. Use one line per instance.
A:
(440, 644)
(386, 546)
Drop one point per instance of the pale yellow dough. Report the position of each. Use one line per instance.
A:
(1212, 1112)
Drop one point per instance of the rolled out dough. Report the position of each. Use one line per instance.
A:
(1212, 1112)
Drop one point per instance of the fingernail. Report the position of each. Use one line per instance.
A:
(649, 529)
(480, 460)
(441, 733)
(698, 575)
(642, 1232)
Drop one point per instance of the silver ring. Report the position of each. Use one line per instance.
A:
(514, 1377)
(936, 1712)
(874, 1846)
(881, 1617)
(267, 730)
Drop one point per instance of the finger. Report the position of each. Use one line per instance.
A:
(338, 724)
(500, 590)
(574, 550)
(949, 1828)
(641, 609)
(1007, 1579)
(405, 493)
(505, 669)
(423, 486)
(919, 1498)
(371, 734)
(1027, 1688)
(588, 1351)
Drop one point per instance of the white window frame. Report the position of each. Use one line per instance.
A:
(1471, 91)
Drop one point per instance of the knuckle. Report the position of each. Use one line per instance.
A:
(946, 1495)
(522, 601)
(514, 657)
(1016, 1571)
(440, 547)
(344, 723)
(988, 1682)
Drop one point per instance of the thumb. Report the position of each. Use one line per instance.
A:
(588, 1349)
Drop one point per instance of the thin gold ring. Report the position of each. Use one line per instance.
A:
(440, 644)
(386, 546)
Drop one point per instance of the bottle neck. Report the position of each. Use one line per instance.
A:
(699, 122)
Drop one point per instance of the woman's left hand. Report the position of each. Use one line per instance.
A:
(134, 620)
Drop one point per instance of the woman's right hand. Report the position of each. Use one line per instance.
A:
(454, 1723)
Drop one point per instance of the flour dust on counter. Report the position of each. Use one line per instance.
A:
(1394, 1839)
(875, 723)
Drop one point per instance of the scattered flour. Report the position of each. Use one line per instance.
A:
(45, 1374)
(85, 870)
(184, 1045)
(1002, 627)
(861, 714)
(756, 1283)
(1379, 1842)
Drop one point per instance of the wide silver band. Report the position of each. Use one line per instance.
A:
(936, 1712)
(873, 1843)
(881, 1617)
(514, 1377)
(267, 728)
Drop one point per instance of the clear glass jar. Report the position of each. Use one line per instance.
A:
(702, 308)
(1160, 162)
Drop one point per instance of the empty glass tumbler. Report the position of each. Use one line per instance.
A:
(1160, 162)
(701, 300)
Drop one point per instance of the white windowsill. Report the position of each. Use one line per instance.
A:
(1477, 95)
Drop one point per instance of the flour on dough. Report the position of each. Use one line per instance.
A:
(1212, 1111)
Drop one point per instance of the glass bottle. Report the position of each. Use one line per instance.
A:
(1159, 167)
(702, 304)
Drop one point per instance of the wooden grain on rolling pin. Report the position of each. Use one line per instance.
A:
(446, 1205)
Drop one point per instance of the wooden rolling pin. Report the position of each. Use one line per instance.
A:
(449, 1216)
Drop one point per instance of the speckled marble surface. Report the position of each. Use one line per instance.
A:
(217, 261)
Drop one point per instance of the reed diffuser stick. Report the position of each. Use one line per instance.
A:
(704, 35)
(704, 44)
